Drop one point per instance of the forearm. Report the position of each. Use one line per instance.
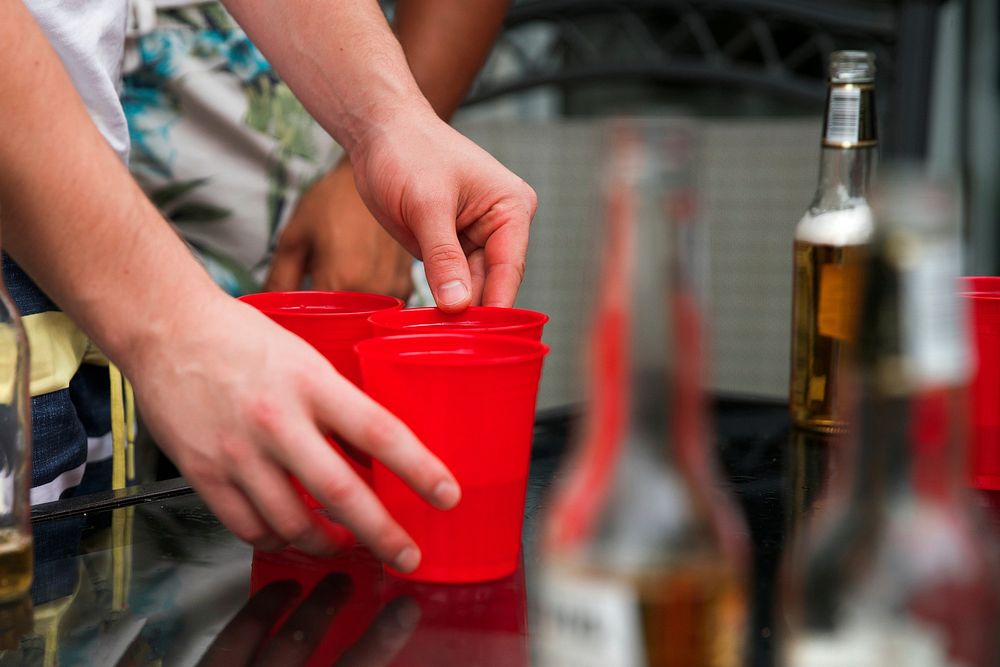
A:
(339, 57)
(71, 214)
(446, 43)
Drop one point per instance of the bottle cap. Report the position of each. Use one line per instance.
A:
(852, 67)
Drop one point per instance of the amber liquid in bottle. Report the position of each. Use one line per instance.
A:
(824, 307)
(687, 615)
(16, 560)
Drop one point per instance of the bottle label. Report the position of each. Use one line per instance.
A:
(850, 122)
(588, 622)
(935, 331)
(9, 348)
(839, 286)
(874, 644)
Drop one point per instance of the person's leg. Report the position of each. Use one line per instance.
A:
(90, 391)
(59, 440)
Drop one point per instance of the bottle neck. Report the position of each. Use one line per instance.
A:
(844, 177)
(850, 144)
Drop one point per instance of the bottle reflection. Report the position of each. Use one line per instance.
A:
(16, 621)
(811, 465)
(342, 611)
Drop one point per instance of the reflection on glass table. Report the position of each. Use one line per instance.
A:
(149, 576)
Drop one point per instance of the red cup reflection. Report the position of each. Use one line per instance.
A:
(371, 620)
(353, 611)
(465, 624)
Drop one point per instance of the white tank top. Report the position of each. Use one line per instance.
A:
(89, 36)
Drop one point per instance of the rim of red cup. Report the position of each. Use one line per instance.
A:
(319, 303)
(980, 286)
(412, 318)
(432, 349)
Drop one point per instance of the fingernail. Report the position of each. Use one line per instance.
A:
(407, 614)
(452, 292)
(446, 494)
(407, 560)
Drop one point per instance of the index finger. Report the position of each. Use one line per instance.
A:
(354, 416)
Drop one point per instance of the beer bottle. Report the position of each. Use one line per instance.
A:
(15, 454)
(897, 572)
(830, 242)
(641, 552)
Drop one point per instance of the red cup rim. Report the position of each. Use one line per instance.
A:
(290, 304)
(410, 318)
(393, 348)
(974, 286)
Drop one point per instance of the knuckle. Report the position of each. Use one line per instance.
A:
(291, 242)
(264, 415)
(231, 449)
(444, 253)
(381, 431)
(295, 529)
(340, 491)
(519, 269)
(354, 278)
(532, 197)
(201, 467)
(258, 536)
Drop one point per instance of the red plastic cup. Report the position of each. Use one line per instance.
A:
(332, 322)
(471, 400)
(982, 293)
(475, 319)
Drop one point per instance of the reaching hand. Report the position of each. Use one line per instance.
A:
(333, 238)
(240, 403)
(449, 203)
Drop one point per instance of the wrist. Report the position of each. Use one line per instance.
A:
(170, 318)
(387, 121)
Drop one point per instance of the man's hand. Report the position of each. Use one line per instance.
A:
(444, 198)
(240, 403)
(333, 238)
(449, 203)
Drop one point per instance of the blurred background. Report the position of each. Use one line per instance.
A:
(751, 76)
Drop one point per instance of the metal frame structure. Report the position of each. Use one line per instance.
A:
(777, 46)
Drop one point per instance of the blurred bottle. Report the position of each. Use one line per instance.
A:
(809, 476)
(830, 243)
(642, 552)
(897, 572)
(16, 621)
(16, 557)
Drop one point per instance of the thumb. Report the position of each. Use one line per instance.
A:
(446, 265)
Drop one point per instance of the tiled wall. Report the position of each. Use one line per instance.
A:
(756, 178)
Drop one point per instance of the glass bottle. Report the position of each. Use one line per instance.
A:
(897, 572)
(642, 554)
(16, 557)
(830, 242)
